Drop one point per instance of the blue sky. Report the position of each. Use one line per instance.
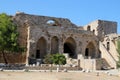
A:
(80, 12)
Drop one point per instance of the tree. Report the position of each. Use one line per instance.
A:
(118, 45)
(8, 36)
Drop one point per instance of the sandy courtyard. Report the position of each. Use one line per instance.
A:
(55, 76)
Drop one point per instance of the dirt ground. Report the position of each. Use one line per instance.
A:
(55, 76)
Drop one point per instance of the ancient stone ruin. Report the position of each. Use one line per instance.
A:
(91, 46)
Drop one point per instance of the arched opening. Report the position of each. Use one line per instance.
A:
(93, 31)
(53, 23)
(88, 28)
(41, 48)
(90, 51)
(54, 45)
(108, 45)
(70, 47)
(102, 31)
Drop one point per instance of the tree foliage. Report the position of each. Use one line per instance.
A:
(118, 45)
(8, 36)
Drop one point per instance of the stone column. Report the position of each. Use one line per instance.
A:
(28, 45)
(49, 46)
(78, 48)
(61, 45)
(31, 47)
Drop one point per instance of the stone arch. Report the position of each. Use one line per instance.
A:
(90, 50)
(70, 47)
(102, 31)
(93, 31)
(53, 22)
(54, 45)
(41, 48)
(108, 45)
(88, 28)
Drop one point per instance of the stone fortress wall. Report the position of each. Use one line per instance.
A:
(43, 35)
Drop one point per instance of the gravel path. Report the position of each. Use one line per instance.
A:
(55, 76)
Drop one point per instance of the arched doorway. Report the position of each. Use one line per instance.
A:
(41, 48)
(108, 46)
(90, 50)
(54, 45)
(88, 28)
(93, 31)
(70, 47)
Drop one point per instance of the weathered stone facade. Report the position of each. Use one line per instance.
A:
(49, 35)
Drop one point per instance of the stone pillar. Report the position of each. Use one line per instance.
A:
(49, 46)
(78, 64)
(78, 48)
(31, 47)
(61, 45)
(28, 46)
(80, 56)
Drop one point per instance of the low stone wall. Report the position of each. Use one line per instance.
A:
(99, 64)
(92, 64)
(13, 58)
(52, 68)
(88, 64)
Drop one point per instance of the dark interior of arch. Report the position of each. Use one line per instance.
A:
(70, 49)
(41, 48)
(90, 50)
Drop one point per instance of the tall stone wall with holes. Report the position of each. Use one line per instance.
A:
(42, 35)
(32, 28)
(101, 28)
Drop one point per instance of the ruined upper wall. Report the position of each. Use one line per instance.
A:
(42, 21)
(107, 26)
(102, 27)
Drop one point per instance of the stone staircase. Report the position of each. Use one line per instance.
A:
(104, 64)
(113, 51)
(107, 55)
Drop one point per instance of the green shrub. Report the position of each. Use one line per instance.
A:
(58, 59)
(48, 59)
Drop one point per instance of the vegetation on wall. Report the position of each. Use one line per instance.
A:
(8, 37)
(118, 45)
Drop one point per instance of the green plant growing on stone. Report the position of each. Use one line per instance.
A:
(118, 45)
(8, 37)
